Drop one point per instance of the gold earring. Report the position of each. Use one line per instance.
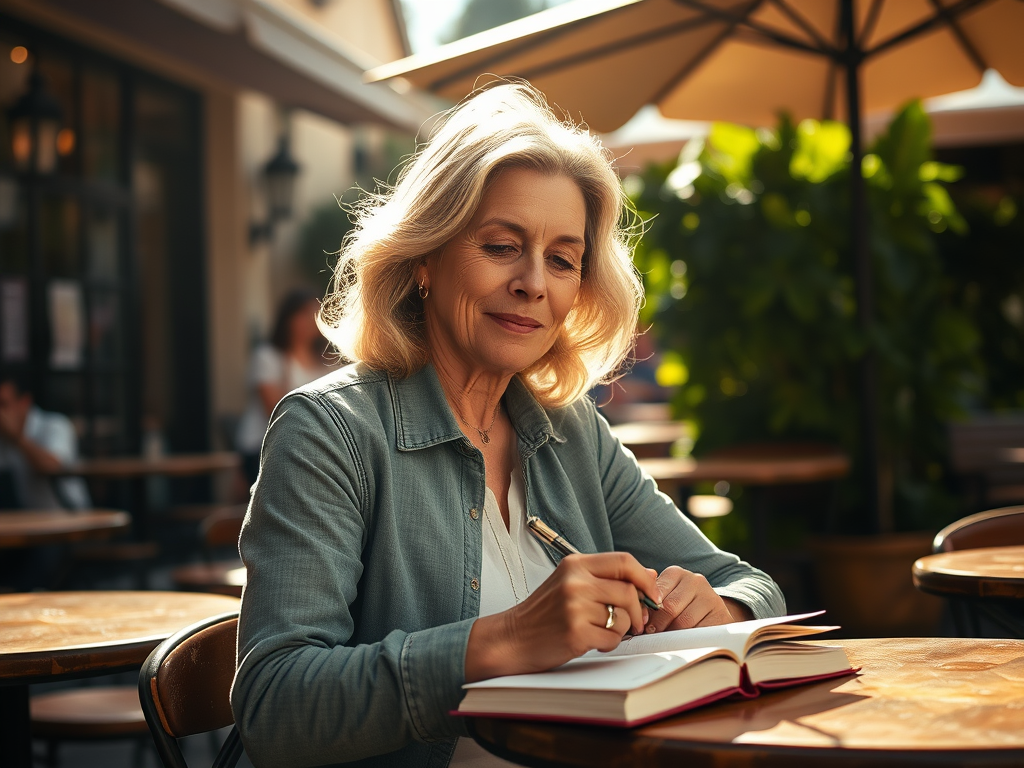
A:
(423, 291)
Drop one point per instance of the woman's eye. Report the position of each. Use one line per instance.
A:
(500, 249)
(563, 264)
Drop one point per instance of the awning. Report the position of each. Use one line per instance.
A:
(260, 45)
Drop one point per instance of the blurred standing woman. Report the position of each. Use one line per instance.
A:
(294, 356)
(388, 555)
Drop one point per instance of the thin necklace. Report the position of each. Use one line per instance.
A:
(501, 551)
(485, 435)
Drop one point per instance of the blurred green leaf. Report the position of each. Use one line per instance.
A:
(822, 149)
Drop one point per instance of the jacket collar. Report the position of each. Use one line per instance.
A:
(423, 417)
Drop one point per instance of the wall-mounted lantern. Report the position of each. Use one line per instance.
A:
(279, 179)
(35, 122)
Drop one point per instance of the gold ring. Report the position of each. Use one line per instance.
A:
(611, 617)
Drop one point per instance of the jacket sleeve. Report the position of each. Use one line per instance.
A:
(302, 695)
(645, 522)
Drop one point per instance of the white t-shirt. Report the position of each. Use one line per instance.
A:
(55, 433)
(269, 366)
(514, 564)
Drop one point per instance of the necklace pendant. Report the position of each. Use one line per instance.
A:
(485, 437)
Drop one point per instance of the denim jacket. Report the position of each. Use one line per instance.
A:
(363, 553)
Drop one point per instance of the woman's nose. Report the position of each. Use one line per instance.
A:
(530, 280)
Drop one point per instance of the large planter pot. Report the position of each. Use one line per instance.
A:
(865, 585)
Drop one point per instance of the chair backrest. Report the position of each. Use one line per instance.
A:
(993, 528)
(184, 688)
(221, 529)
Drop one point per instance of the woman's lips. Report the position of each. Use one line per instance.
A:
(515, 323)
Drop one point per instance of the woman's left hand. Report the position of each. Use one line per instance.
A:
(689, 601)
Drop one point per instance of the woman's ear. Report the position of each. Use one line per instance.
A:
(421, 276)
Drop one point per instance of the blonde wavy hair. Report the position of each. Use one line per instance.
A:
(373, 313)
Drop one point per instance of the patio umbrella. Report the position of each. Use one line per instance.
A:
(743, 61)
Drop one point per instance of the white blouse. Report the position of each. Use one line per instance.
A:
(514, 564)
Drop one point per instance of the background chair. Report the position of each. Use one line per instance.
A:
(1002, 527)
(88, 714)
(184, 687)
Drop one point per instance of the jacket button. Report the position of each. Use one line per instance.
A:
(473, 514)
(475, 584)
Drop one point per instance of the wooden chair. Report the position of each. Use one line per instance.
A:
(220, 530)
(1002, 527)
(220, 555)
(184, 687)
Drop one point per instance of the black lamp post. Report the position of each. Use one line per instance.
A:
(279, 176)
(35, 122)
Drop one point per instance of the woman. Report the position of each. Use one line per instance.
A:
(386, 546)
(293, 357)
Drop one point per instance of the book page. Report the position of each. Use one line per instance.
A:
(588, 673)
(736, 637)
(788, 660)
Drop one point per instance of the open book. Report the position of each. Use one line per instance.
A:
(651, 676)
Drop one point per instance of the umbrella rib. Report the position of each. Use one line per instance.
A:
(767, 32)
(693, 63)
(801, 22)
(949, 12)
(827, 112)
(961, 37)
(869, 23)
(584, 56)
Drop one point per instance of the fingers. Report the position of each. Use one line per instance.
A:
(689, 601)
(620, 566)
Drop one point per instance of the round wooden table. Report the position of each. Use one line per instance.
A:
(986, 582)
(762, 466)
(223, 578)
(49, 636)
(974, 573)
(137, 468)
(755, 465)
(916, 701)
(650, 439)
(29, 528)
(169, 465)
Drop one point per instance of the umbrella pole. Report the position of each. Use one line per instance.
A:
(879, 509)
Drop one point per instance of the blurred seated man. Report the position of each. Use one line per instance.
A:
(33, 444)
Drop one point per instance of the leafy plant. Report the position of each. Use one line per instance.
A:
(750, 287)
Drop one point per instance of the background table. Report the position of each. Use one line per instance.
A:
(756, 465)
(650, 439)
(990, 579)
(917, 701)
(49, 636)
(223, 578)
(30, 528)
(169, 465)
(138, 468)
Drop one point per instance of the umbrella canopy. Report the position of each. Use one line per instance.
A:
(744, 61)
(736, 60)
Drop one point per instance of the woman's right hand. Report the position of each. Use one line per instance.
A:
(563, 618)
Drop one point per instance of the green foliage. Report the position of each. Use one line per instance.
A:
(319, 242)
(750, 285)
(985, 275)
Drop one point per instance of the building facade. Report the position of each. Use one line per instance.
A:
(141, 253)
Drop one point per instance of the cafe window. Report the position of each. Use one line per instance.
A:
(102, 282)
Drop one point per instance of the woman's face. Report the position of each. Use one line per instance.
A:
(501, 289)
